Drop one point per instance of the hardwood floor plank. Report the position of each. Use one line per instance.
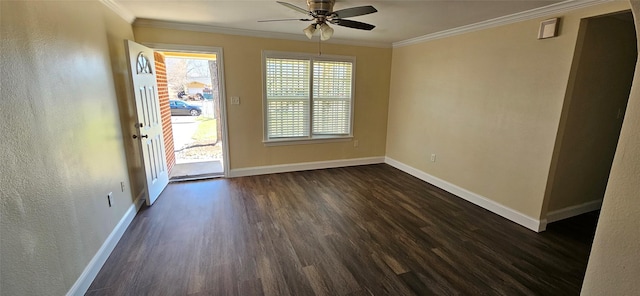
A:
(318, 284)
(271, 278)
(366, 230)
(250, 287)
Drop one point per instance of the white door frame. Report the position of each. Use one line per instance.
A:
(221, 88)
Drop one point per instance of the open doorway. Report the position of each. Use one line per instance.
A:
(190, 88)
(595, 103)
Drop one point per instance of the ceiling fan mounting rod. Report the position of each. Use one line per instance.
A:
(321, 7)
(321, 19)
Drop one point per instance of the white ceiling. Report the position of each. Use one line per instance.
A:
(395, 20)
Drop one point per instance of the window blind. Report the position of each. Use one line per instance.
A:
(331, 97)
(287, 87)
(305, 97)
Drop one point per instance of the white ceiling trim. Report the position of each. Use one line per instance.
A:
(252, 33)
(119, 10)
(504, 20)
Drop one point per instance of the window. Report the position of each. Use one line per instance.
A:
(307, 97)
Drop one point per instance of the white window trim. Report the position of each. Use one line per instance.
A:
(311, 139)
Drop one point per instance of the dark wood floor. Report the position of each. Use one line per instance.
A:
(368, 230)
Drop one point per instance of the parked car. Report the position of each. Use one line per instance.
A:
(182, 108)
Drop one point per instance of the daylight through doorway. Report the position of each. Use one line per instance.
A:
(192, 86)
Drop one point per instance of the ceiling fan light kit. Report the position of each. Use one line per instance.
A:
(309, 30)
(321, 12)
(325, 32)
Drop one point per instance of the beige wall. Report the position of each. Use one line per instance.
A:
(62, 146)
(488, 103)
(243, 78)
(118, 31)
(598, 89)
(64, 79)
(614, 264)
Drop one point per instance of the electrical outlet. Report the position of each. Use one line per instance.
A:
(109, 198)
(235, 100)
(433, 158)
(356, 143)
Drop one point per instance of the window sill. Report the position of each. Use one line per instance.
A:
(316, 140)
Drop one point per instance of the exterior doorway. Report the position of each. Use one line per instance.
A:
(191, 92)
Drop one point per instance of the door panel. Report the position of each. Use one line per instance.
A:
(149, 125)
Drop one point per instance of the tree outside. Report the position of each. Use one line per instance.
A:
(204, 143)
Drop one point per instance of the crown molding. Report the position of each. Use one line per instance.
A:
(119, 10)
(149, 23)
(552, 9)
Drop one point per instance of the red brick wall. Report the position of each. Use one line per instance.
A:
(165, 110)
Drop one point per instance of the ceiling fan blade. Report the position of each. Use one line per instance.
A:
(279, 20)
(353, 24)
(296, 8)
(354, 11)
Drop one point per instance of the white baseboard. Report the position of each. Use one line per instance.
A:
(506, 212)
(572, 211)
(91, 270)
(304, 166)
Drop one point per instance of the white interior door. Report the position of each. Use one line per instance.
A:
(145, 86)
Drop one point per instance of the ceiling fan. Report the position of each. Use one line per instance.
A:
(321, 12)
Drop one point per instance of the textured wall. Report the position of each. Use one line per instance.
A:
(488, 104)
(117, 32)
(614, 264)
(62, 144)
(243, 78)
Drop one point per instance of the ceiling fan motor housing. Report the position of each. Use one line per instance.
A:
(321, 7)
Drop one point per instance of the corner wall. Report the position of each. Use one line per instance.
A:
(614, 263)
(593, 112)
(61, 151)
(488, 104)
